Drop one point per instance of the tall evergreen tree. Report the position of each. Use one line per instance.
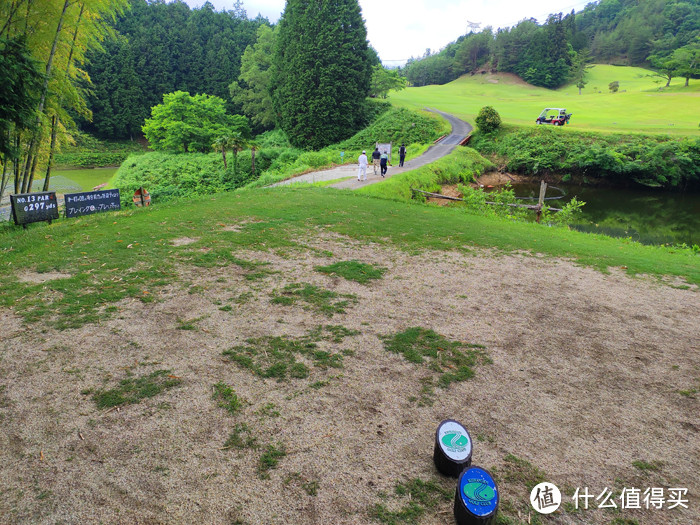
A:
(323, 71)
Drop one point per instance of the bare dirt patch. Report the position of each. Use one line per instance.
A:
(183, 241)
(38, 278)
(585, 381)
(497, 178)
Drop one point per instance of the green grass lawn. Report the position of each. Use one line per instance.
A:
(109, 257)
(638, 107)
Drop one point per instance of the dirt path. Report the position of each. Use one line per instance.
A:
(460, 130)
(591, 385)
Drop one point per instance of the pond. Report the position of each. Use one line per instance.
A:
(647, 216)
(77, 180)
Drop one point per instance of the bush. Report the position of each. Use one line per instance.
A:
(398, 125)
(488, 120)
(650, 160)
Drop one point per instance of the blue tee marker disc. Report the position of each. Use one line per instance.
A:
(478, 492)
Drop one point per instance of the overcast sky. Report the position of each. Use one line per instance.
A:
(400, 29)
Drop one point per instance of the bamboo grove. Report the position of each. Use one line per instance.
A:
(42, 52)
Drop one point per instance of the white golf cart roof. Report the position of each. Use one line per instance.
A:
(561, 111)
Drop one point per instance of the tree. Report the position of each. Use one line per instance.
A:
(252, 91)
(183, 123)
(488, 119)
(323, 71)
(384, 80)
(19, 95)
(686, 61)
(614, 86)
(58, 35)
(580, 63)
(665, 67)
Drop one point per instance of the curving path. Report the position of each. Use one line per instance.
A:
(460, 130)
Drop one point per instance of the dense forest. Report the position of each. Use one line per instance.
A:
(662, 34)
(161, 48)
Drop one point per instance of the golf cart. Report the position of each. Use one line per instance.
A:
(554, 116)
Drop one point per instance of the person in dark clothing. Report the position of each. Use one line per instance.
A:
(402, 154)
(383, 162)
(375, 159)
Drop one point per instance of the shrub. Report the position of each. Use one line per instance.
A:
(488, 119)
(651, 160)
(398, 125)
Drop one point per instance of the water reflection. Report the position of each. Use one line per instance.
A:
(647, 216)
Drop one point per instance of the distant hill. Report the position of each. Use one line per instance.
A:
(623, 32)
(638, 106)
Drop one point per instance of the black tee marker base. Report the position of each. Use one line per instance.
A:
(476, 498)
(453, 448)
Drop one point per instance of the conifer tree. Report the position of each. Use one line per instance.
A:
(322, 71)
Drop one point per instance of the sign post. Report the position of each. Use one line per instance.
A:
(89, 202)
(34, 207)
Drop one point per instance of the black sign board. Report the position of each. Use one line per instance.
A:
(34, 207)
(88, 202)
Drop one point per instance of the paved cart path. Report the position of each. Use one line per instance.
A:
(460, 130)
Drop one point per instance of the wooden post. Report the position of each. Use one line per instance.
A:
(540, 203)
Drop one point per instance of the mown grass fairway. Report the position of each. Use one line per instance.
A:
(180, 363)
(638, 107)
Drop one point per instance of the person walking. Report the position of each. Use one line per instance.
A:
(375, 159)
(383, 162)
(362, 161)
(402, 154)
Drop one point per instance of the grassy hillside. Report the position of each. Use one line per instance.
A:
(639, 106)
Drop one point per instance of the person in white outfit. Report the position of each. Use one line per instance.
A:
(362, 161)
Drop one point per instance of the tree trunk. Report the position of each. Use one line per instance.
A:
(32, 151)
(17, 164)
(686, 81)
(668, 82)
(55, 120)
(223, 154)
(54, 127)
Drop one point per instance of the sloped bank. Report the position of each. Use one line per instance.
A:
(462, 165)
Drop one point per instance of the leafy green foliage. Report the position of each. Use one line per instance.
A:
(185, 123)
(353, 271)
(163, 47)
(488, 120)
(385, 80)
(552, 53)
(251, 91)
(19, 92)
(649, 160)
(167, 175)
(133, 390)
(398, 125)
(322, 72)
